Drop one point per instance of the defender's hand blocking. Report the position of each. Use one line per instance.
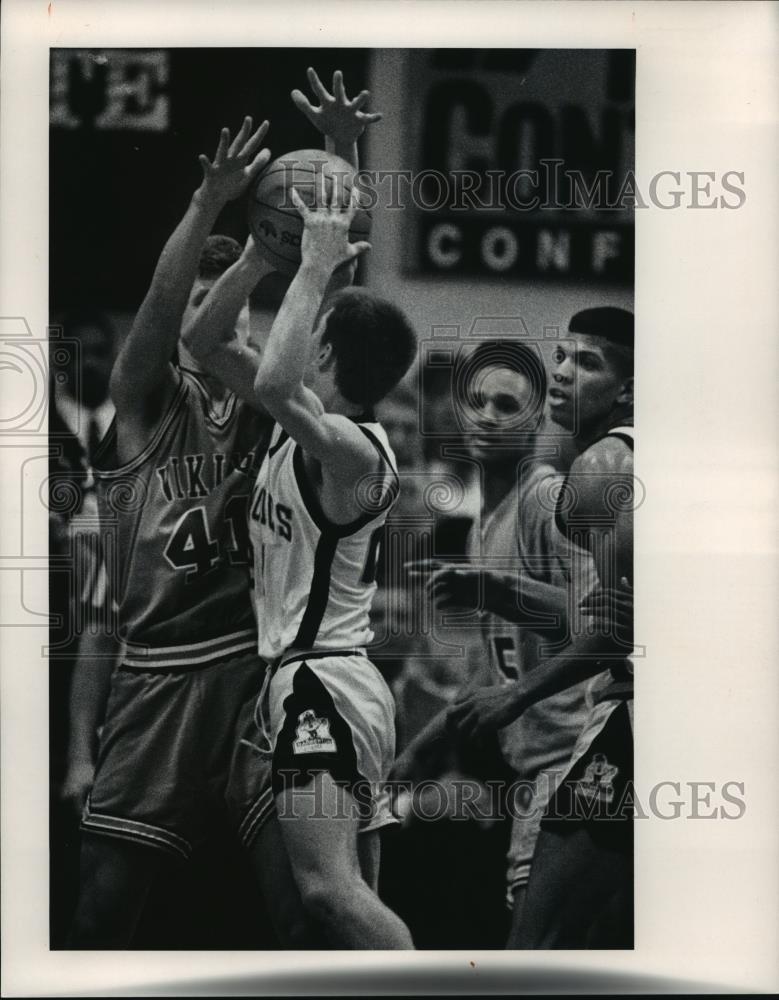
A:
(326, 226)
(235, 164)
(336, 116)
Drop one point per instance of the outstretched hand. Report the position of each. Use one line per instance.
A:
(448, 585)
(336, 116)
(483, 711)
(612, 609)
(326, 224)
(236, 164)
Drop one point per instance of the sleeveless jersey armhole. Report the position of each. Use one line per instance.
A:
(107, 448)
(314, 507)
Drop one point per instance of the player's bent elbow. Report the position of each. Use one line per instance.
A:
(273, 389)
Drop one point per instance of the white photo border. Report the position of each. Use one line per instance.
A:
(706, 709)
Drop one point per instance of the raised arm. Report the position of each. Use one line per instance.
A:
(211, 335)
(340, 120)
(331, 439)
(143, 378)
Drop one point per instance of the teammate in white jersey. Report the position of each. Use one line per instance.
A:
(580, 889)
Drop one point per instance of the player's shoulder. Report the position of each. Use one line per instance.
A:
(611, 453)
(536, 473)
(379, 438)
(536, 483)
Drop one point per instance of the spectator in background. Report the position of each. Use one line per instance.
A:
(399, 414)
(83, 646)
(423, 678)
(82, 394)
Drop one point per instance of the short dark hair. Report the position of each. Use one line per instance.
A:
(616, 328)
(609, 322)
(373, 343)
(522, 358)
(219, 253)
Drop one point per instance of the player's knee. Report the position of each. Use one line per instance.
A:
(296, 932)
(325, 895)
(316, 893)
(114, 881)
(294, 926)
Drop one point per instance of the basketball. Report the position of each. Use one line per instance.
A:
(276, 224)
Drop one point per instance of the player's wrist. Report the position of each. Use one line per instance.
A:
(519, 700)
(341, 145)
(316, 271)
(208, 200)
(252, 266)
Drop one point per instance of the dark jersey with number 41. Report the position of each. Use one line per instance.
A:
(174, 524)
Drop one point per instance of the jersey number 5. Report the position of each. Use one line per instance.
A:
(191, 547)
(506, 656)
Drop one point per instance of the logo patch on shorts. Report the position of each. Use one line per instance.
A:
(313, 734)
(598, 780)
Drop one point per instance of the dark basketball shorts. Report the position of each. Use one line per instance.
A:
(334, 713)
(597, 791)
(170, 762)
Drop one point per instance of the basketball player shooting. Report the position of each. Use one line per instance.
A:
(320, 499)
(315, 581)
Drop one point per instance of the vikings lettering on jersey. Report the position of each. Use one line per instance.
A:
(176, 518)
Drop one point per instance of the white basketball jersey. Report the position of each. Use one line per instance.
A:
(314, 581)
